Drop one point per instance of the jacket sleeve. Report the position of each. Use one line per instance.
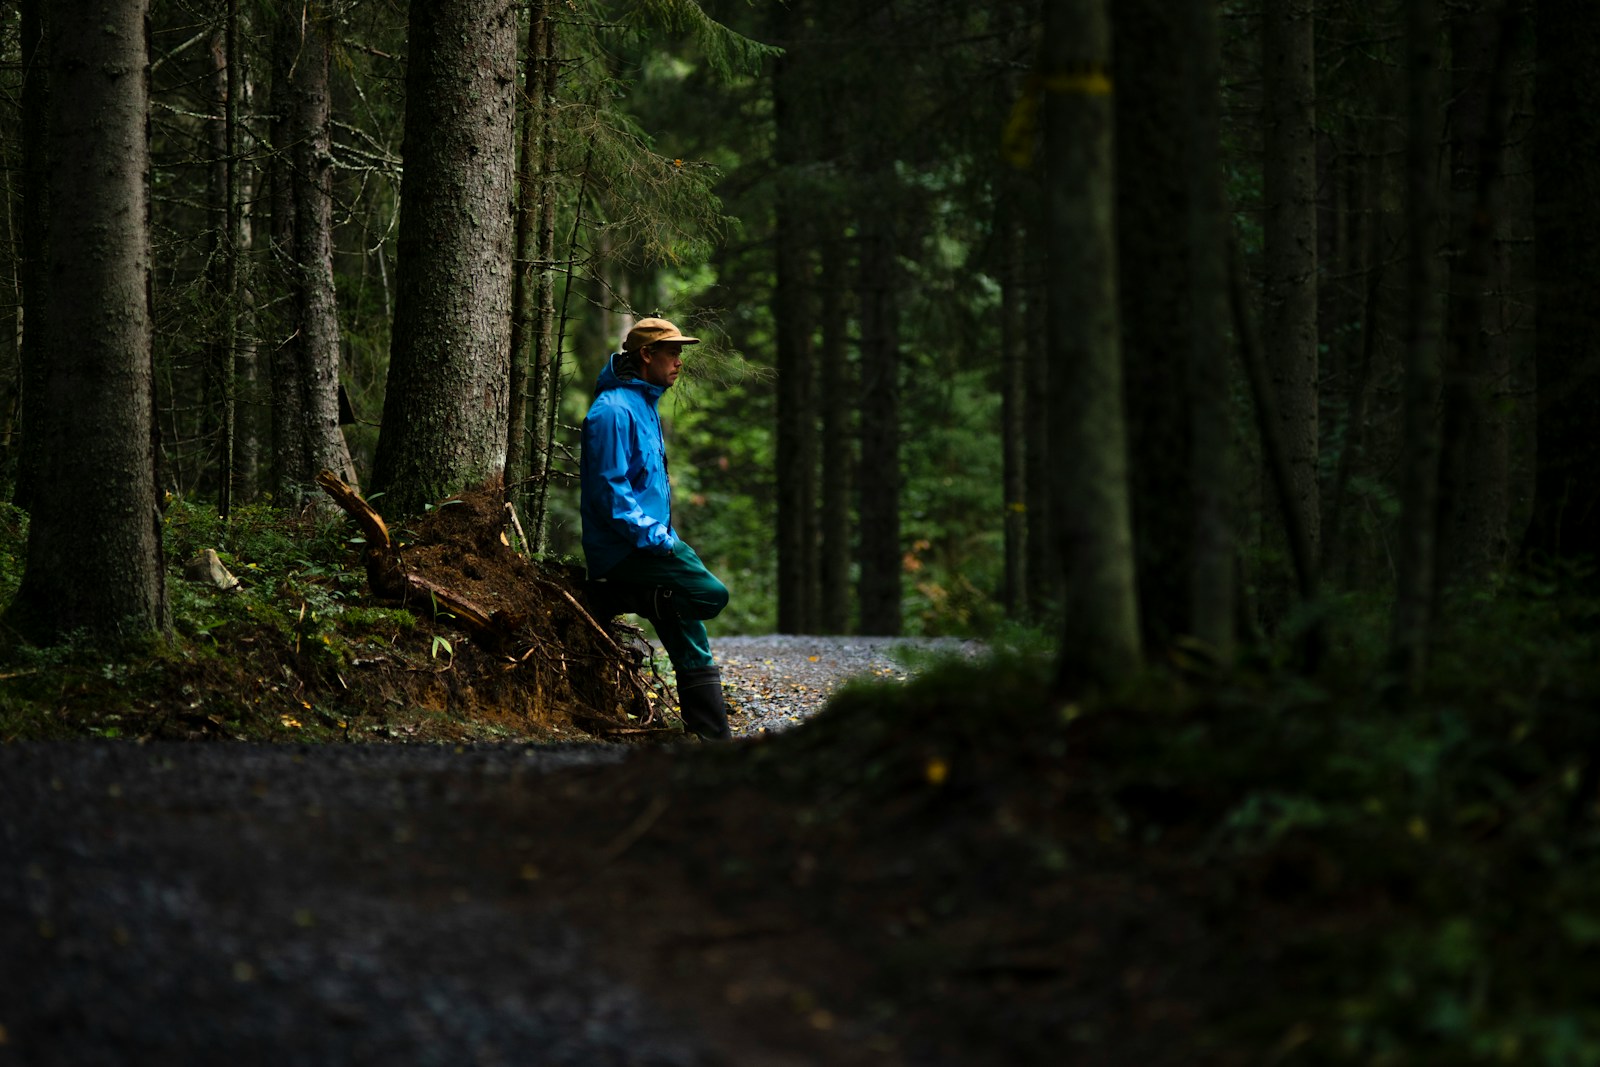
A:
(608, 442)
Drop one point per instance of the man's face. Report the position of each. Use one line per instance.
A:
(660, 363)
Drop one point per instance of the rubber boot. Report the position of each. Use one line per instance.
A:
(701, 705)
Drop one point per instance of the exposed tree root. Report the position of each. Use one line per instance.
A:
(528, 618)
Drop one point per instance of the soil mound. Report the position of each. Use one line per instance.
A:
(521, 640)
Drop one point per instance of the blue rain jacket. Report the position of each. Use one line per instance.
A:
(625, 497)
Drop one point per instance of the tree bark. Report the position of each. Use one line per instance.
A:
(219, 372)
(530, 115)
(1157, 317)
(1289, 323)
(1339, 559)
(226, 250)
(35, 243)
(306, 432)
(1475, 469)
(796, 444)
(251, 429)
(1214, 552)
(99, 570)
(533, 327)
(837, 386)
(11, 311)
(1566, 509)
(1414, 602)
(878, 587)
(1100, 620)
(1275, 455)
(445, 409)
(1044, 557)
(1013, 405)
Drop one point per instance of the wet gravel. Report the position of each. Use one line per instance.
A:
(777, 681)
(260, 904)
(174, 903)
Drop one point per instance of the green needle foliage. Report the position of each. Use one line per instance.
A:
(728, 54)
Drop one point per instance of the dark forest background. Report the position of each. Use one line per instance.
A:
(1165, 326)
(1230, 367)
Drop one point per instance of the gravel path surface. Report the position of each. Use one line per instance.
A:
(173, 902)
(272, 904)
(777, 681)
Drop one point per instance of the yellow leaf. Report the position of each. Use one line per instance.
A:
(936, 771)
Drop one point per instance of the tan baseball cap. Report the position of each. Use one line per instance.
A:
(655, 332)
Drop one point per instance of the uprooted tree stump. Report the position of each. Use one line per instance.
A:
(456, 568)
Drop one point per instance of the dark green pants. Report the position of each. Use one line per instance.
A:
(697, 595)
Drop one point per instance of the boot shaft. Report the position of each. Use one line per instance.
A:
(701, 704)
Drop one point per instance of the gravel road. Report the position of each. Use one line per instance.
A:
(777, 681)
(250, 904)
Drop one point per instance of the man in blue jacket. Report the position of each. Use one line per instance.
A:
(637, 563)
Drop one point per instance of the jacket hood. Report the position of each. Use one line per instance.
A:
(608, 380)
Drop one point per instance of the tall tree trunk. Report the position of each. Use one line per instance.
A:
(1275, 453)
(35, 242)
(1514, 320)
(1566, 509)
(1157, 319)
(547, 336)
(1475, 470)
(306, 434)
(1014, 380)
(250, 425)
(1414, 604)
(283, 365)
(793, 319)
(1289, 323)
(1339, 559)
(533, 326)
(224, 259)
(838, 395)
(528, 135)
(1044, 557)
(1214, 554)
(96, 413)
(445, 410)
(878, 587)
(1100, 618)
(10, 305)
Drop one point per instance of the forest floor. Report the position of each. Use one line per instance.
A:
(838, 894)
(315, 829)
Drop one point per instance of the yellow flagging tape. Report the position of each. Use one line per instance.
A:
(1088, 83)
(1022, 125)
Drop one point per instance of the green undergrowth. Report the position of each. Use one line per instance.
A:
(297, 651)
(1390, 881)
